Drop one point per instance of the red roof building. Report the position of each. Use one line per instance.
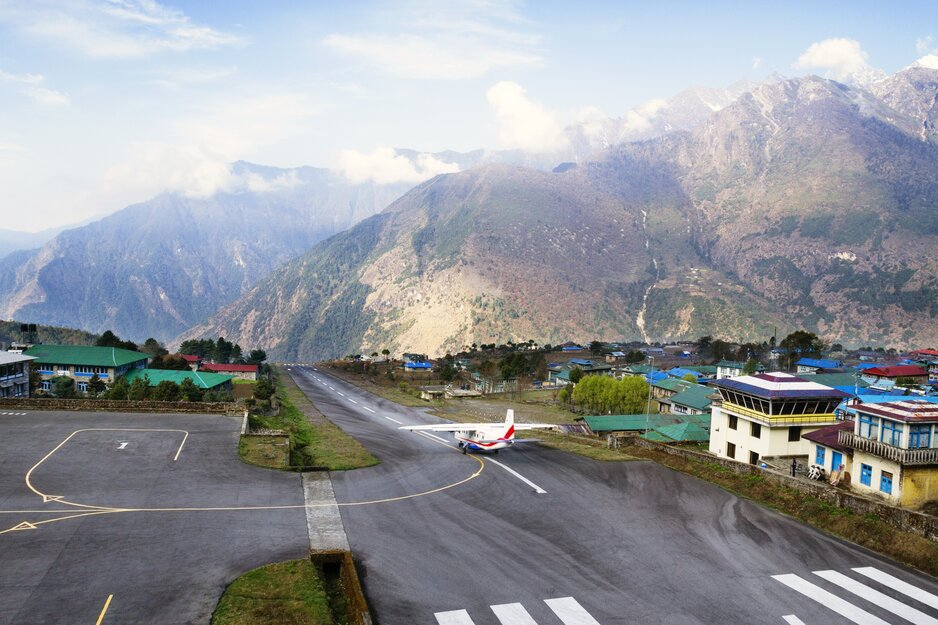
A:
(897, 371)
(245, 372)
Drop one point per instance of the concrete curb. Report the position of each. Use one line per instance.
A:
(323, 521)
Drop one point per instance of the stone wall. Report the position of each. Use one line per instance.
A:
(908, 520)
(113, 405)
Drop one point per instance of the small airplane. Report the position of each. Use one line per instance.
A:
(483, 436)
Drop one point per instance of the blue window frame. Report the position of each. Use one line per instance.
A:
(866, 474)
(868, 426)
(819, 456)
(892, 433)
(885, 482)
(919, 436)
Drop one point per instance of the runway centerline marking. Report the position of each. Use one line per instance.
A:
(352, 400)
(537, 489)
(393, 419)
(368, 409)
(104, 610)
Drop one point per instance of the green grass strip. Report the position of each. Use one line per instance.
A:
(286, 593)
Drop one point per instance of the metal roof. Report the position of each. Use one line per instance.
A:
(827, 435)
(697, 397)
(912, 410)
(7, 358)
(630, 422)
(684, 432)
(201, 379)
(777, 386)
(87, 355)
(820, 363)
(896, 371)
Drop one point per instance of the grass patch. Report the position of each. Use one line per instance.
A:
(866, 530)
(241, 381)
(582, 447)
(286, 593)
(265, 451)
(315, 440)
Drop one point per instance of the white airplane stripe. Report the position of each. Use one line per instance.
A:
(899, 586)
(455, 617)
(570, 611)
(512, 614)
(877, 598)
(829, 600)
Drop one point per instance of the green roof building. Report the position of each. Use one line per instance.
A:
(679, 433)
(202, 379)
(81, 362)
(693, 400)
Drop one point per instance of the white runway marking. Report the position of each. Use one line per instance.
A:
(456, 617)
(122, 445)
(898, 585)
(791, 619)
(537, 489)
(352, 400)
(829, 600)
(341, 393)
(439, 438)
(368, 409)
(570, 611)
(877, 598)
(331, 388)
(393, 419)
(512, 614)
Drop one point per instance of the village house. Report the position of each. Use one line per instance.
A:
(829, 453)
(695, 400)
(813, 365)
(14, 374)
(241, 372)
(765, 415)
(733, 368)
(913, 374)
(82, 362)
(927, 359)
(895, 451)
(202, 379)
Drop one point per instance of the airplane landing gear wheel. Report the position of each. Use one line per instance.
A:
(465, 449)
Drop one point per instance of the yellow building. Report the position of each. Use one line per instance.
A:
(895, 451)
(764, 416)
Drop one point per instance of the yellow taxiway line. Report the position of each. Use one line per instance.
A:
(104, 610)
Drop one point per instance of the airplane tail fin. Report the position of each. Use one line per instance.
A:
(510, 424)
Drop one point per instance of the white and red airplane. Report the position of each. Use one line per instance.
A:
(483, 436)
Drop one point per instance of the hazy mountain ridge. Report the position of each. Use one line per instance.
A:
(156, 268)
(803, 203)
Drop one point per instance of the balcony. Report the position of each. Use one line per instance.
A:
(896, 454)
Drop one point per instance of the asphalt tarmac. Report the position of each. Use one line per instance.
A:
(450, 539)
(125, 517)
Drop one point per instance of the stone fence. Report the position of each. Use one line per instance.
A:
(908, 520)
(115, 405)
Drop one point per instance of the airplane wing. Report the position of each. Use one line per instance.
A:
(445, 427)
(534, 426)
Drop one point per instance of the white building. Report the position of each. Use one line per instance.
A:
(14, 374)
(764, 415)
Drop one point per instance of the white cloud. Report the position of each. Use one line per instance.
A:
(923, 45)
(31, 85)
(447, 41)
(10, 147)
(842, 59)
(523, 123)
(639, 119)
(187, 76)
(756, 62)
(114, 28)
(199, 163)
(386, 166)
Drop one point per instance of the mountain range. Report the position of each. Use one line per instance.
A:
(801, 203)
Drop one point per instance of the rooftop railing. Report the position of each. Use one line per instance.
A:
(928, 455)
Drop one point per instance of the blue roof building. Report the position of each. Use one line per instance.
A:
(810, 365)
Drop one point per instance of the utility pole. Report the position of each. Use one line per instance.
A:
(651, 379)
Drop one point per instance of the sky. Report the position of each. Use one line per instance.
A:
(104, 103)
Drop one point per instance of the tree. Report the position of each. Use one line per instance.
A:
(152, 347)
(109, 339)
(167, 390)
(63, 387)
(96, 386)
(263, 389)
(634, 357)
(139, 389)
(576, 374)
(119, 389)
(386, 353)
(171, 362)
(596, 347)
(751, 366)
(189, 391)
(257, 356)
(802, 344)
(35, 378)
(689, 377)
(374, 355)
(837, 347)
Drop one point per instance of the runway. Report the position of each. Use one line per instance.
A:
(608, 543)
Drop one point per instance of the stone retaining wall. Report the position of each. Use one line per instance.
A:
(113, 405)
(908, 520)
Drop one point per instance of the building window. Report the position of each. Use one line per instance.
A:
(731, 450)
(756, 430)
(794, 434)
(885, 482)
(869, 426)
(753, 457)
(819, 456)
(866, 474)
(46, 385)
(734, 421)
(919, 436)
(82, 387)
(892, 433)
